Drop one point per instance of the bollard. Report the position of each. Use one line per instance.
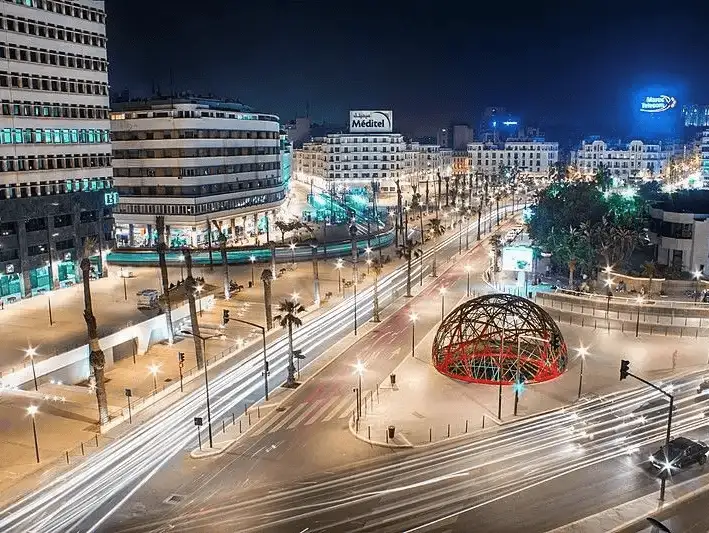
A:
(82, 449)
(392, 379)
(386, 434)
(96, 436)
(430, 435)
(369, 432)
(449, 431)
(246, 408)
(258, 412)
(249, 419)
(223, 427)
(466, 425)
(483, 421)
(391, 430)
(240, 426)
(233, 419)
(67, 457)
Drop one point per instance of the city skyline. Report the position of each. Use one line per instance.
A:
(557, 66)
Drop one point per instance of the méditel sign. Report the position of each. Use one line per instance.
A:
(370, 121)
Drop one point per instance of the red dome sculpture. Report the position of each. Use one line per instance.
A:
(499, 338)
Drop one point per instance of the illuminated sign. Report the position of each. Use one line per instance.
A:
(657, 104)
(510, 122)
(110, 198)
(370, 121)
(517, 258)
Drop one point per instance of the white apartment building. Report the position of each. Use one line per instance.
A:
(56, 183)
(309, 162)
(534, 156)
(635, 159)
(704, 147)
(195, 161)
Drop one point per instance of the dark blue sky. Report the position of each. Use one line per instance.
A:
(562, 64)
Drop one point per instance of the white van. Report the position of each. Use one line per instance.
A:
(147, 299)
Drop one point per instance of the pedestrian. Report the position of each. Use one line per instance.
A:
(674, 360)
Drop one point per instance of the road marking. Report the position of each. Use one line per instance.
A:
(333, 413)
(321, 411)
(348, 412)
(260, 429)
(307, 412)
(289, 417)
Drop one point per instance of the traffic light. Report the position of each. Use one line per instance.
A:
(225, 317)
(298, 354)
(181, 358)
(624, 368)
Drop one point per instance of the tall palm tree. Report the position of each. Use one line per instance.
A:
(97, 359)
(288, 318)
(648, 270)
(316, 274)
(497, 206)
(496, 244)
(572, 268)
(191, 289)
(162, 248)
(417, 204)
(408, 251)
(376, 267)
(267, 278)
(225, 261)
(436, 227)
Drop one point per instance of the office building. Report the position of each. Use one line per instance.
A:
(462, 135)
(694, 115)
(56, 183)
(197, 162)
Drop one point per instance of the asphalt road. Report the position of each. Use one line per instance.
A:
(688, 517)
(86, 497)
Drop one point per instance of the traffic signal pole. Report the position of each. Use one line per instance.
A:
(226, 319)
(624, 373)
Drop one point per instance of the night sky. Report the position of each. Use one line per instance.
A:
(566, 66)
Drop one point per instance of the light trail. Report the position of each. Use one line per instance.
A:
(82, 498)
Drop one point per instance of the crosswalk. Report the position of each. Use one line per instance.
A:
(307, 413)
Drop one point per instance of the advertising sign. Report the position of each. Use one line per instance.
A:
(370, 121)
(657, 104)
(517, 258)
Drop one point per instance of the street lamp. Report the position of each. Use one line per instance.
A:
(49, 307)
(295, 296)
(697, 276)
(292, 252)
(413, 317)
(253, 260)
(468, 268)
(31, 352)
(359, 370)
(265, 359)
(640, 300)
(199, 289)
(338, 266)
(442, 290)
(369, 264)
(32, 411)
(609, 295)
(582, 352)
(154, 369)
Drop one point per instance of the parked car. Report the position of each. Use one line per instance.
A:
(703, 387)
(682, 452)
(147, 299)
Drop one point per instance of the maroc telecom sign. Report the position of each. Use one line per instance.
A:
(370, 121)
(657, 104)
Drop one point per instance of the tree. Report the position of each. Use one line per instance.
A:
(376, 267)
(603, 178)
(288, 318)
(225, 261)
(496, 244)
(435, 226)
(284, 227)
(97, 359)
(648, 270)
(572, 268)
(408, 251)
(191, 290)
(417, 204)
(267, 279)
(161, 248)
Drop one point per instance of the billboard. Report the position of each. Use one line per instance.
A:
(656, 111)
(376, 121)
(517, 258)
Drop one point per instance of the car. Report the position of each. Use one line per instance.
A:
(147, 299)
(683, 452)
(703, 387)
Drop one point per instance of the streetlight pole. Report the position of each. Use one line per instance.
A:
(413, 317)
(442, 290)
(49, 307)
(265, 359)
(206, 380)
(697, 277)
(292, 252)
(199, 289)
(154, 369)
(583, 352)
(467, 270)
(31, 352)
(253, 260)
(359, 369)
(32, 411)
(640, 301)
(338, 266)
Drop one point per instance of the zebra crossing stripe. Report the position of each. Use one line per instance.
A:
(265, 425)
(347, 412)
(333, 413)
(320, 411)
(289, 417)
(307, 412)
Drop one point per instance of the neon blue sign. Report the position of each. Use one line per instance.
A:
(657, 104)
(510, 123)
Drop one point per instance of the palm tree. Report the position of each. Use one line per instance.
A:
(479, 209)
(436, 227)
(447, 180)
(191, 289)
(416, 203)
(408, 251)
(288, 318)
(162, 247)
(97, 359)
(376, 267)
(267, 278)
(283, 227)
(497, 206)
(572, 268)
(648, 270)
(225, 262)
(496, 243)
(316, 274)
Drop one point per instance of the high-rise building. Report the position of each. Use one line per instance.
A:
(704, 148)
(56, 183)
(443, 137)
(694, 115)
(195, 161)
(462, 135)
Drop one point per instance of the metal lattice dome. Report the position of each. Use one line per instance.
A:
(499, 338)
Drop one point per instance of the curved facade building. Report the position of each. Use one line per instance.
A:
(196, 162)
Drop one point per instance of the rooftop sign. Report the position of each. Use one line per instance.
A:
(657, 104)
(370, 121)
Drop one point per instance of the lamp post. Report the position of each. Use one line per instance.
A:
(31, 352)
(369, 264)
(359, 370)
(442, 290)
(609, 295)
(49, 308)
(413, 317)
(582, 353)
(206, 379)
(292, 252)
(640, 300)
(199, 289)
(468, 268)
(355, 307)
(265, 359)
(338, 266)
(697, 276)
(154, 369)
(32, 411)
(253, 260)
